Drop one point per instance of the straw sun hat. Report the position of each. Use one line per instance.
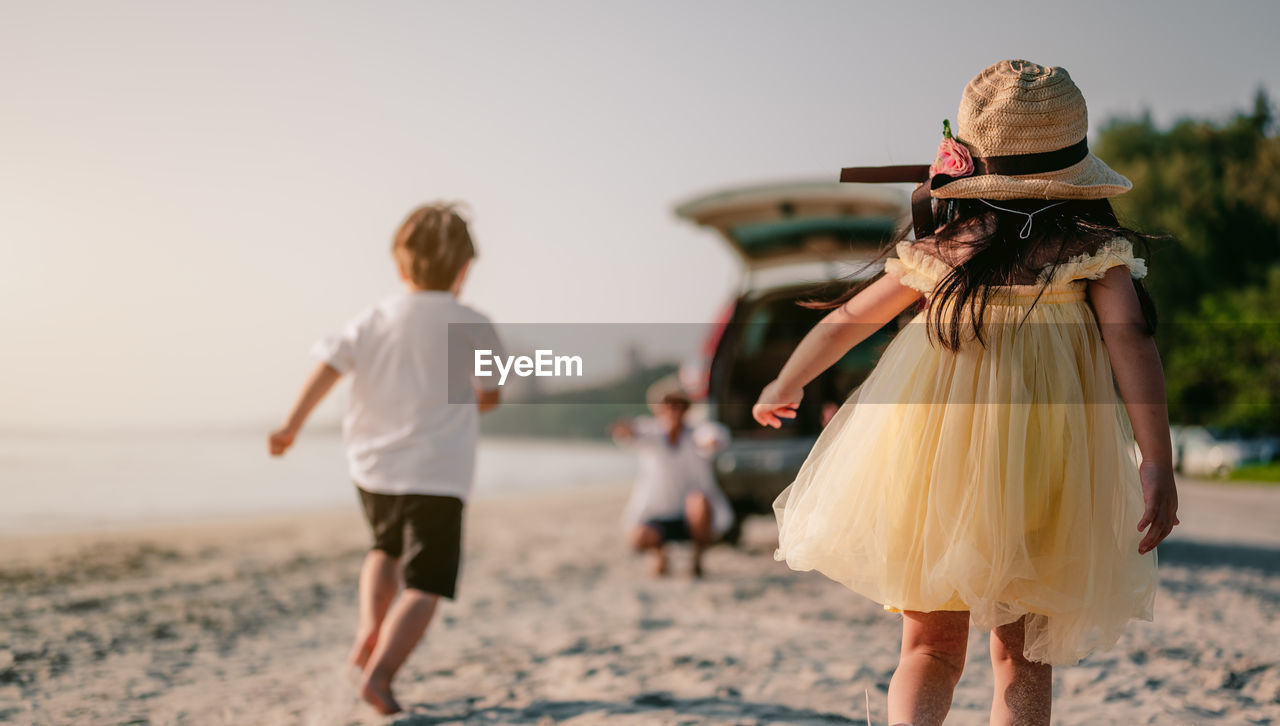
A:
(1023, 127)
(1021, 134)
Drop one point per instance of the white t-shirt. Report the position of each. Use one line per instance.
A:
(667, 475)
(411, 422)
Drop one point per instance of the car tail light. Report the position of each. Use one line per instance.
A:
(695, 373)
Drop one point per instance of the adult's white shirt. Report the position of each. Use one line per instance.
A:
(411, 422)
(667, 474)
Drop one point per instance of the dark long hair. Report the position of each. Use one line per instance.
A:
(999, 256)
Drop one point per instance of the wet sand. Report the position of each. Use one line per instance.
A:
(248, 622)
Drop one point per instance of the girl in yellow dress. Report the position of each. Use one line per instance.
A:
(983, 472)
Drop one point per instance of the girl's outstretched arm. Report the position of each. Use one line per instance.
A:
(830, 339)
(1140, 378)
(319, 384)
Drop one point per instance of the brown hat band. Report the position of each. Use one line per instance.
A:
(1019, 164)
(922, 203)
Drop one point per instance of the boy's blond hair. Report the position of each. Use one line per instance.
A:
(432, 245)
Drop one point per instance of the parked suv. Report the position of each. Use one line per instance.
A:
(797, 241)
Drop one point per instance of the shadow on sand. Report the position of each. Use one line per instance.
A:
(717, 709)
(1261, 559)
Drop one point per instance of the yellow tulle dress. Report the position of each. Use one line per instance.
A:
(998, 479)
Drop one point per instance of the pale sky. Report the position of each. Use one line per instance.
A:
(191, 193)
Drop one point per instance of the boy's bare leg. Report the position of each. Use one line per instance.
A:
(401, 630)
(933, 648)
(379, 581)
(1024, 689)
(697, 515)
(644, 537)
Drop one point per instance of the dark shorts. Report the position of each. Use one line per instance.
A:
(671, 530)
(424, 531)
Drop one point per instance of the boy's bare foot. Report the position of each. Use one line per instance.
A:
(660, 566)
(378, 695)
(362, 649)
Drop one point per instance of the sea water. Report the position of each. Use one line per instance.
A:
(73, 482)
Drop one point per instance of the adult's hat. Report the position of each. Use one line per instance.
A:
(667, 389)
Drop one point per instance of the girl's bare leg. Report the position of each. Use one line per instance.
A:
(697, 515)
(403, 628)
(1024, 689)
(933, 650)
(379, 581)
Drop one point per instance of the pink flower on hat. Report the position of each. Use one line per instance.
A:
(953, 158)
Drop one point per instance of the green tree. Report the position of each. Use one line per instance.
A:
(1225, 369)
(1214, 189)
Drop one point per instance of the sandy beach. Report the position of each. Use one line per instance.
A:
(248, 622)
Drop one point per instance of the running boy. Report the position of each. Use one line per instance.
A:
(410, 432)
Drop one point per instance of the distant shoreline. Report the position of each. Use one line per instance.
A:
(117, 482)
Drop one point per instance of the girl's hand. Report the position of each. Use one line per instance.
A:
(775, 404)
(1161, 497)
(280, 440)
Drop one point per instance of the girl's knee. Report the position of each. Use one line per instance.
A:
(1003, 653)
(1007, 644)
(948, 658)
(1007, 641)
(941, 637)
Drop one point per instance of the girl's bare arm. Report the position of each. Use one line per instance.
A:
(840, 330)
(1140, 378)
